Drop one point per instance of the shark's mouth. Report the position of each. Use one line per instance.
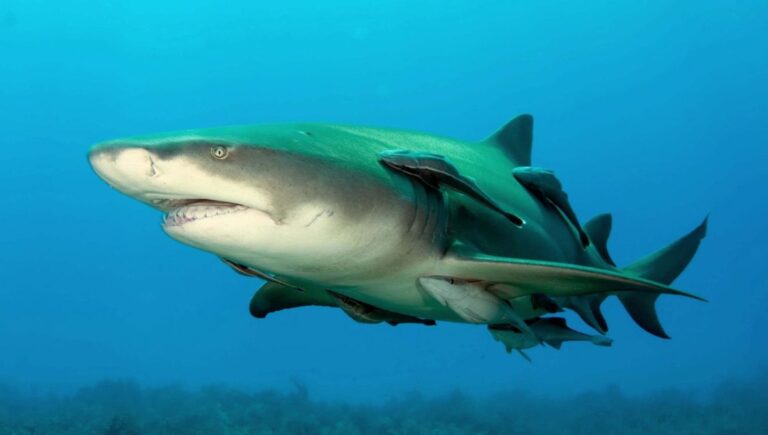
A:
(184, 211)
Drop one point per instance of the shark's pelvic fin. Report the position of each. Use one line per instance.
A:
(515, 139)
(435, 170)
(599, 229)
(662, 266)
(273, 297)
(544, 184)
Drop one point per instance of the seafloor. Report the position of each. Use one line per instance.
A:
(124, 407)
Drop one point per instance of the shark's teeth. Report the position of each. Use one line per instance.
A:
(190, 213)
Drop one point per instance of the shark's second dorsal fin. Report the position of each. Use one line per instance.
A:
(515, 139)
(599, 228)
(544, 184)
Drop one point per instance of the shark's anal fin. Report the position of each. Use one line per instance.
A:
(435, 170)
(273, 297)
(588, 308)
(544, 184)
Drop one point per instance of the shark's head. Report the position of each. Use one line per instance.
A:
(252, 195)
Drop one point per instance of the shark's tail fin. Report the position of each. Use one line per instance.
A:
(665, 265)
(662, 266)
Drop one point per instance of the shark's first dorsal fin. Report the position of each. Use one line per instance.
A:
(515, 139)
(599, 228)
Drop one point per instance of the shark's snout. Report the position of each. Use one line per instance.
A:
(124, 167)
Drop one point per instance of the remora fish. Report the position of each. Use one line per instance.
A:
(392, 226)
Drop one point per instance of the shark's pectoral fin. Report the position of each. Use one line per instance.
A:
(514, 277)
(365, 313)
(544, 184)
(273, 297)
(435, 171)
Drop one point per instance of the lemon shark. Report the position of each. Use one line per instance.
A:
(394, 226)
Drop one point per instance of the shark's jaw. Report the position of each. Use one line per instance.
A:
(215, 226)
(226, 229)
(179, 212)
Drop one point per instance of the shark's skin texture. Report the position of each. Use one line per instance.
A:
(335, 215)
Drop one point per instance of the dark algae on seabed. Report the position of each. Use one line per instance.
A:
(126, 408)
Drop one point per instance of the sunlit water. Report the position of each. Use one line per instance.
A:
(654, 112)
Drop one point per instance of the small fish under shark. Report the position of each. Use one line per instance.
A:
(394, 227)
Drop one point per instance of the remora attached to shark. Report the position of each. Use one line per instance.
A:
(394, 226)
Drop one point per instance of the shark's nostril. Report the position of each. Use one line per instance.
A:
(152, 167)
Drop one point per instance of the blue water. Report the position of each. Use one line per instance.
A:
(654, 111)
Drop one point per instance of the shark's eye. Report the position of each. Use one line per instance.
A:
(219, 152)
